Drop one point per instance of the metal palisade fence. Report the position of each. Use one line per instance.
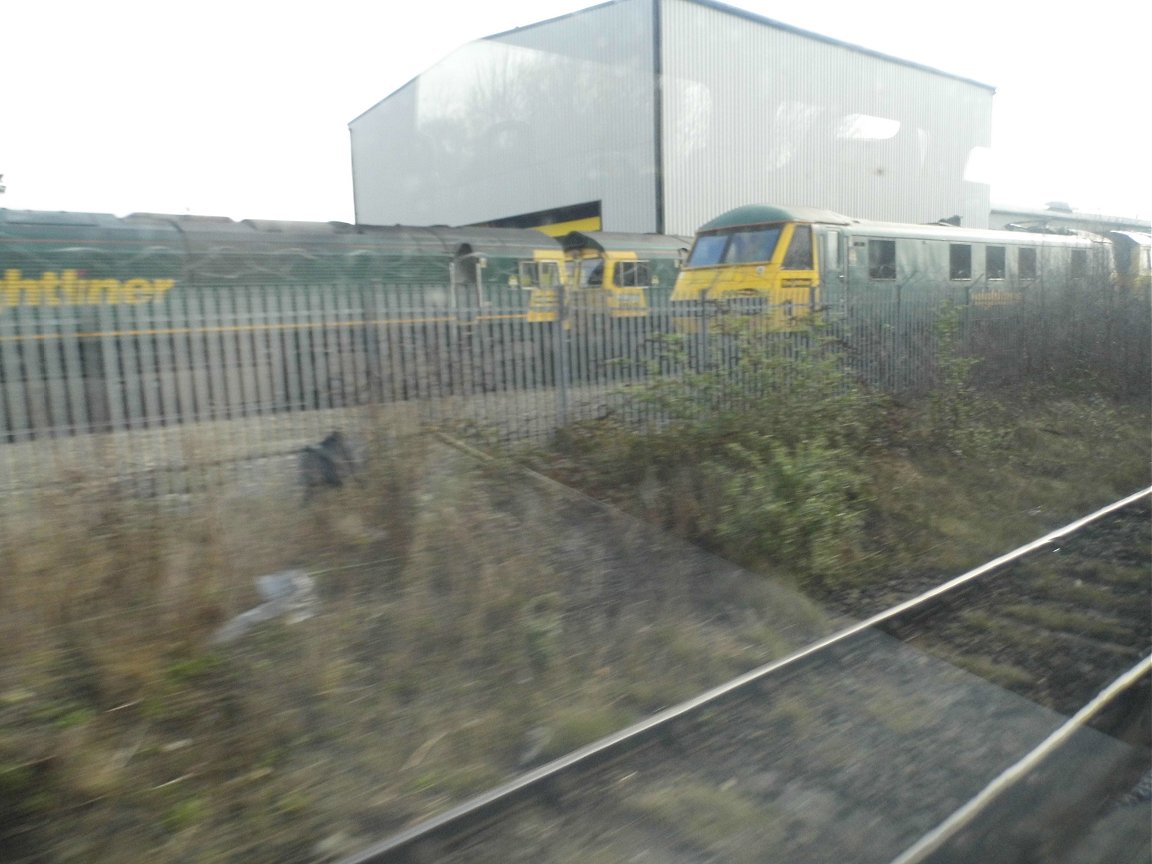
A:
(234, 375)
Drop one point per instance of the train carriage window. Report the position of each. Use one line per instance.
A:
(1123, 258)
(832, 251)
(799, 255)
(881, 259)
(1079, 263)
(1026, 263)
(960, 261)
(994, 264)
(632, 274)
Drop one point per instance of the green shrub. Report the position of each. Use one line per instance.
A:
(761, 461)
(794, 507)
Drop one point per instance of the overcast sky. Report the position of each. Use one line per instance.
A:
(240, 108)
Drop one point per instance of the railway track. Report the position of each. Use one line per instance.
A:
(1032, 813)
(1056, 625)
(861, 745)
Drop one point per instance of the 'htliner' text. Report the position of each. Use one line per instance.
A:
(68, 289)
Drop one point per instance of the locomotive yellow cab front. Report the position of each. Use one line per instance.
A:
(754, 263)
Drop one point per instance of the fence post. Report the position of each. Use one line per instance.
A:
(560, 344)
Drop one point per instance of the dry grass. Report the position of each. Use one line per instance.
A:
(469, 623)
(1052, 461)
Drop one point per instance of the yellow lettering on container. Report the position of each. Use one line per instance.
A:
(68, 289)
(108, 288)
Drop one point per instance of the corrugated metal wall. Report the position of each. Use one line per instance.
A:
(564, 112)
(538, 118)
(756, 113)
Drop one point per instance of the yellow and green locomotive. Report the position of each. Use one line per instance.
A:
(795, 265)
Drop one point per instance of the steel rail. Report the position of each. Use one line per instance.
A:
(935, 839)
(475, 811)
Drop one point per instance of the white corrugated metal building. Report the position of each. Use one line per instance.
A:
(656, 115)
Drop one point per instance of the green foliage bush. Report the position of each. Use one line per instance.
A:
(780, 459)
(762, 462)
(790, 505)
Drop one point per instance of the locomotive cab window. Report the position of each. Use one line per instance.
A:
(708, 250)
(592, 275)
(632, 274)
(539, 274)
(994, 260)
(743, 246)
(747, 247)
(799, 255)
(881, 259)
(960, 261)
(1026, 262)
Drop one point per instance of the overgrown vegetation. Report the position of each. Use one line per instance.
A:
(789, 463)
(469, 623)
(764, 461)
(472, 622)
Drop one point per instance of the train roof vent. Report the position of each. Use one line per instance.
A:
(285, 226)
(186, 218)
(50, 217)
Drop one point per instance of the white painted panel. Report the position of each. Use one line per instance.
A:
(539, 118)
(760, 113)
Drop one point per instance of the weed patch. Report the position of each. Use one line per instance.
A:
(763, 463)
(788, 465)
(465, 626)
